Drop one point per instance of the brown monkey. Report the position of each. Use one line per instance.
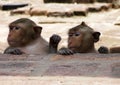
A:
(81, 40)
(24, 37)
(104, 49)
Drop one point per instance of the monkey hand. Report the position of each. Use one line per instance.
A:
(13, 51)
(103, 50)
(65, 51)
(54, 40)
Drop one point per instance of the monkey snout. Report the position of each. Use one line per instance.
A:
(9, 35)
(69, 44)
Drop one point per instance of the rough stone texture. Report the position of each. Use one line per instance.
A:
(84, 1)
(16, 68)
(68, 10)
(69, 1)
(75, 69)
(78, 69)
(116, 70)
(108, 1)
(58, 1)
(97, 7)
(88, 65)
(77, 1)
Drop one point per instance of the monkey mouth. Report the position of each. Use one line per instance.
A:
(74, 49)
(12, 42)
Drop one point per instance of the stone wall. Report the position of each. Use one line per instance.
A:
(84, 1)
(108, 1)
(58, 1)
(77, 1)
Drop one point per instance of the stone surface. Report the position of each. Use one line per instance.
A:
(90, 65)
(68, 10)
(78, 69)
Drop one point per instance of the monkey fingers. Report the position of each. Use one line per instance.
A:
(55, 39)
(65, 51)
(53, 43)
(103, 49)
(14, 51)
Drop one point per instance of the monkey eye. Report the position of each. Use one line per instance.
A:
(77, 34)
(16, 28)
(11, 27)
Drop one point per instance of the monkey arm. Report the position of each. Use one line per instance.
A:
(53, 44)
(65, 51)
(115, 50)
(14, 51)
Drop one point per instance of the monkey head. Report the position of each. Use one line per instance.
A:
(22, 32)
(81, 38)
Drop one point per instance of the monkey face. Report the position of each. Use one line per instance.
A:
(82, 38)
(16, 35)
(22, 32)
(75, 40)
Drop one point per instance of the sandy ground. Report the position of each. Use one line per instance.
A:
(58, 81)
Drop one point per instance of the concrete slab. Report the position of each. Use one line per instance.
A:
(87, 65)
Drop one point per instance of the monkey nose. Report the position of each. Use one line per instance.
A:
(69, 43)
(9, 35)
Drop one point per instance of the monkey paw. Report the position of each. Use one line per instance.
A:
(55, 39)
(103, 49)
(65, 51)
(13, 51)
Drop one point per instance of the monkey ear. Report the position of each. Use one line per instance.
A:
(37, 30)
(96, 36)
(83, 23)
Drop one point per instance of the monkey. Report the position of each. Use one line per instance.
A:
(106, 50)
(81, 39)
(25, 38)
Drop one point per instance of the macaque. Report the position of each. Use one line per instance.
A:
(25, 38)
(81, 39)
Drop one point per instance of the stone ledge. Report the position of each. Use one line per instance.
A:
(88, 65)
